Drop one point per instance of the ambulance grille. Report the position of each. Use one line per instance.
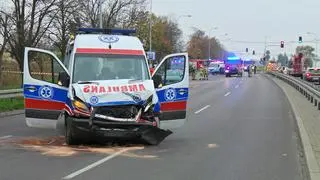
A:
(118, 111)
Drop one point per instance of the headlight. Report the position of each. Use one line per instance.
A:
(80, 105)
(148, 103)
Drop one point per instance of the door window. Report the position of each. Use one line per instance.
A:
(44, 67)
(172, 70)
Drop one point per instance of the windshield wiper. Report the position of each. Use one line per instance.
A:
(88, 82)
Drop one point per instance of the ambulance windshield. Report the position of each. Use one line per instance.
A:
(94, 67)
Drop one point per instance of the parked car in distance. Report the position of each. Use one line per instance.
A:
(312, 74)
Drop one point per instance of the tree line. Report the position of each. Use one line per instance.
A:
(198, 46)
(48, 24)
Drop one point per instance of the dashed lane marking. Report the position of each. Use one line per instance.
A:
(95, 164)
(227, 94)
(197, 112)
(5, 137)
(237, 86)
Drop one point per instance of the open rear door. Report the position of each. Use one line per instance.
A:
(45, 99)
(173, 90)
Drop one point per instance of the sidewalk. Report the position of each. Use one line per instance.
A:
(308, 121)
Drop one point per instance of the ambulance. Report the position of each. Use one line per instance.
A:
(103, 89)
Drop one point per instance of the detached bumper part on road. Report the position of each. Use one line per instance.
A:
(113, 130)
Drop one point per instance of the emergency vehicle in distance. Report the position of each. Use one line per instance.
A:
(104, 88)
(233, 66)
(297, 65)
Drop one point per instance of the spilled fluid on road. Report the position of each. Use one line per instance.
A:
(55, 146)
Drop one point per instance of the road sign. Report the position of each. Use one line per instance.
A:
(151, 55)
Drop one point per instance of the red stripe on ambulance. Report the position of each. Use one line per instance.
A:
(46, 105)
(109, 51)
(43, 104)
(173, 106)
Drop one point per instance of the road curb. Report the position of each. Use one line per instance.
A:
(11, 113)
(313, 167)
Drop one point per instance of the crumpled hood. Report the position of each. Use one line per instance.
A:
(114, 92)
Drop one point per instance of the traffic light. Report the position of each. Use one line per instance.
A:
(282, 44)
(300, 39)
(247, 50)
(254, 52)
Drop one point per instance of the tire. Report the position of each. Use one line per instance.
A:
(70, 135)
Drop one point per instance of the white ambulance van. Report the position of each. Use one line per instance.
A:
(103, 88)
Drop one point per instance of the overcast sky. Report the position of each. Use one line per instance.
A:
(248, 20)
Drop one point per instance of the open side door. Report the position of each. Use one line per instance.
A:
(45, 88)
(171, 79)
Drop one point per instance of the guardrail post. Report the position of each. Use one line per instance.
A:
(318, 106)
(311, 99)
(315, 102)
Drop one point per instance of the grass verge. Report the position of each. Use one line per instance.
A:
(10, 104)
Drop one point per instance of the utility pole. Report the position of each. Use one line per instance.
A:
(265, 49)
(209, 50)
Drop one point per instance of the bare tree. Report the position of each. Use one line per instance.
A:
(31, 20)
(89, 12)
(4, 29)
(174, 34)
(115, 12)
(122, 12)
(64, 23)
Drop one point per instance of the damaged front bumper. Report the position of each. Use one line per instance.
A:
(99, 127)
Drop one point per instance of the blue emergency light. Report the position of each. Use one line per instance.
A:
(233, 58)
(125, 32)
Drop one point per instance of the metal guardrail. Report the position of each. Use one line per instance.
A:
(310, 92)
(10, 93)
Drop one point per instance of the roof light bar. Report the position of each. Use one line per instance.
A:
(126, 32)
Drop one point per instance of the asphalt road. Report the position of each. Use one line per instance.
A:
(237, 129)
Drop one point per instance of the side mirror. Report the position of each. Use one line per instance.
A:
(64, 79)
(157, 80)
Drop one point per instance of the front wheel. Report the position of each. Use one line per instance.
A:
(70, 135)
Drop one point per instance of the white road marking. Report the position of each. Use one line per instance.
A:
(237, 86)
(197, 112)
(5, 137)
(95, 164)
(228, 93)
